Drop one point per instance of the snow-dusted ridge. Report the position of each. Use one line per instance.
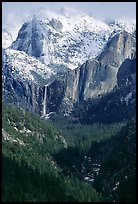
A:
(23, 66)
(122, 24)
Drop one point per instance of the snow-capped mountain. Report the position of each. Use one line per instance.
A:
(64, 40)
(57, 61)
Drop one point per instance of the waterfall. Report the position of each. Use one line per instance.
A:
(45, 101)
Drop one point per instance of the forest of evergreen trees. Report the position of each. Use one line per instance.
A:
(28, 172)
(42, 160)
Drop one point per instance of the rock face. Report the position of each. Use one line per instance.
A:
(23, 94)
(31, 96)
(101, 73)
(115, 106)
(117, 49)
(56, 93)
(127, 73)
(99, 76)
(34, 46)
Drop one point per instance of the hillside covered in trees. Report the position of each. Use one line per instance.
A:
(29, 172)
(59, 160)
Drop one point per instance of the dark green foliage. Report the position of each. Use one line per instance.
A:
(22, 183)
(83, 141)
(70, 161)
(43, 168)
(119, 165)
(29, 172)
(81, 135)
(41, 130)
(115, 154)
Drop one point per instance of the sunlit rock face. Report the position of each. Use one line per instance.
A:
(99, 75)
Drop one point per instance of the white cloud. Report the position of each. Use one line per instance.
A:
(14, 20)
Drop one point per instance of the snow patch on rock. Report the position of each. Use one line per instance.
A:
(128, 97)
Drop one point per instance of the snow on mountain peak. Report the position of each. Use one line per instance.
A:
(61, 40)
(26, 67)
(65, 40)
(128, 25)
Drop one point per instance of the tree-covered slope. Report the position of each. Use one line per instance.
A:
(29, 172)
(117, 175)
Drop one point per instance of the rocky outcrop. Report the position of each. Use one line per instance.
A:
(24, 94)
(115, 106)
(117, 49)
(56, 93)
(127, 73)
(32, 96)
(100, 75)
(34, 46)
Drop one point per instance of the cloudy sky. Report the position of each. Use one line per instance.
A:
(15, 13)
(98, 9)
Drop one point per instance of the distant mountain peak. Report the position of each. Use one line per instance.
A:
(128, 25)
